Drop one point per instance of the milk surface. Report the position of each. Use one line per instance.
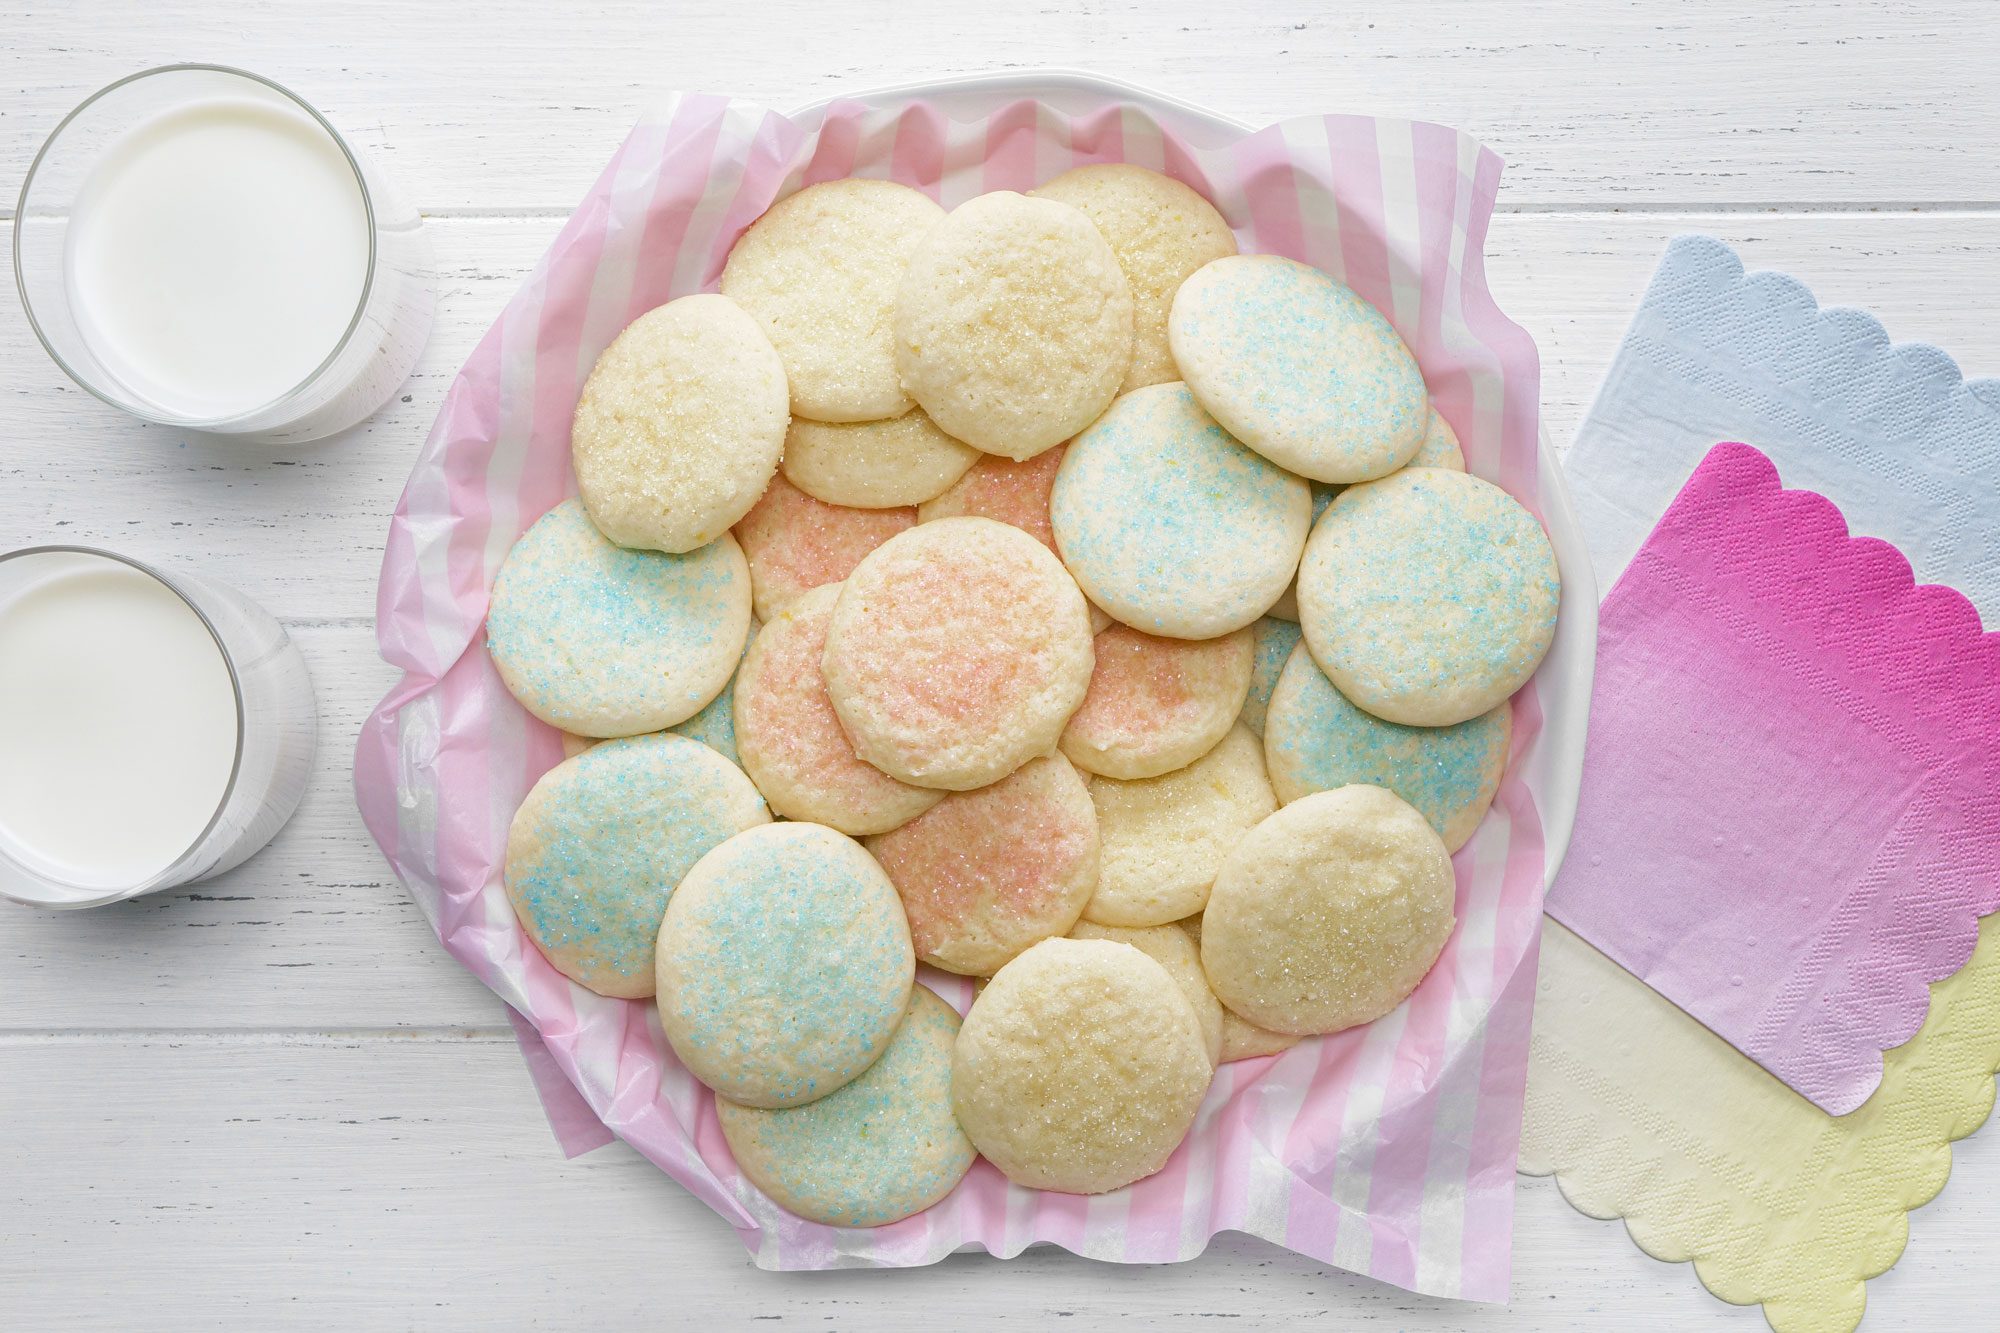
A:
(217, 254)
(117, 726)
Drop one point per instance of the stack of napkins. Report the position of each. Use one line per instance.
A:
(1789, 824)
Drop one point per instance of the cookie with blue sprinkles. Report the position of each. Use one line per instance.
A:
(597, 847)
(874, 1152)
(1172, 526)
(783, 965)
(1296, 365)
(1428, 597)
(1440, 447)
(1273, 639)
(601, 640)
(715, 725)
(1315, 740)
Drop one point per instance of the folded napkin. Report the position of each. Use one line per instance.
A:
(1890, 433)
(1728, 851)
(1790, 816)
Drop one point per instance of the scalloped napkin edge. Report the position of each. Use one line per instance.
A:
(1774, 1202)
(1889, 432)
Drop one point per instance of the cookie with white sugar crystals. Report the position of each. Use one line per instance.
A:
(1079, 1068)
(1013, 324)
(819, 272)
(1161, 231)
(905, 460)
(1164, 838)
(680, 425)
(1328, 913)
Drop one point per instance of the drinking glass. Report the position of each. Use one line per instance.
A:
(391, 320)
(276, 729)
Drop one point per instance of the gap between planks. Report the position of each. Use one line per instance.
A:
(233, 1037)
(1930, 208)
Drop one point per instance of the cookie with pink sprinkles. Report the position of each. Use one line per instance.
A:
(984, 874)
(956, 653)
(1004, 491)
(790, 742)
(1154, 704)
(795, 543)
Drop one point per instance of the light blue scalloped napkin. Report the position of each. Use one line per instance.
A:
(1907, 449)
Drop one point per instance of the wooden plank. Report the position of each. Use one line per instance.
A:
(1792, 102)
(245, 1184)
(298, 528)
(301, 529)
(306, 540)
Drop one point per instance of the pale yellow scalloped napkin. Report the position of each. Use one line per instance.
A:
(1642, 1113)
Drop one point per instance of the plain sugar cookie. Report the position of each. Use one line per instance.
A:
(795, 543)
(790, 741)
(1172, 526)
(1005, 491)
(1241, 1039)
(905, 460)
(1161, 232)
(1328, 913)
(1299, 367)
(680, 425)
(602, 839)
(783, 965)
(984, 874)
(1274, 640)
(1013, 324)
(1155, 705)
(819, 272)
(1440, 446)
(881, 1148)
(1315, 740)
(599, 640)
(1170, 947)
(1079, 1068)
(957, 652)
(1429, 596)
(1164, 838)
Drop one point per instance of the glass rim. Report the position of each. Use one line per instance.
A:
(219, 424)
(162, 877)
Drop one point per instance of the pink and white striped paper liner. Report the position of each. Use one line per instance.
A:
(1389, 1150)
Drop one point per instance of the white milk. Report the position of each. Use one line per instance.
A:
(117, 726)
(217, 255)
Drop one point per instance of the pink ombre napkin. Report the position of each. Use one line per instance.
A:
(1790, 814)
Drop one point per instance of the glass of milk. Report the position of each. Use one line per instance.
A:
(155, 728)
(201, 248)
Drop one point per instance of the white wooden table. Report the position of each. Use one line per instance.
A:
(277, 1101)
